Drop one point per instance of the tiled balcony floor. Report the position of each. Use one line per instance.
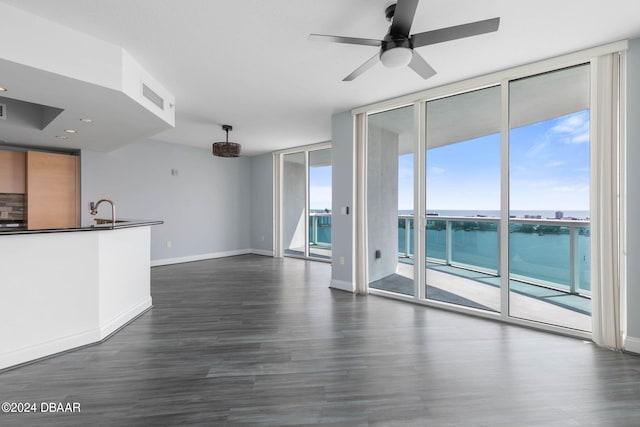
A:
(482, 291)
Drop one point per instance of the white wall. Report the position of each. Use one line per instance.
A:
(382, 202)
(86, 286)
(262, 204)
(342, 196)
(293, 204)
(205, 207)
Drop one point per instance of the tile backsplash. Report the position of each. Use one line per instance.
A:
(12, 207)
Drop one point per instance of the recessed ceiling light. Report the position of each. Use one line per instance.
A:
(62, 137)
(70, 130)
(86, 120)
(3, 89)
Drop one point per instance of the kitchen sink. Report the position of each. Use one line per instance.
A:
(100, 221)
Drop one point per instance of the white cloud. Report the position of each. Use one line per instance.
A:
(537, 148)
(573, 129)
(555, 164)
(435, 170)
(581, 138)
(570, 188)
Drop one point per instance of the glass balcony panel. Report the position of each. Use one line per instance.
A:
(405, 239)
(540, 254)
(436, 245)
(584, 261)
(475, 244)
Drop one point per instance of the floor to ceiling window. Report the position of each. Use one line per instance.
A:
(463, 199)
(390, 201)
(492, 215)
(320, 204)
(305, 209)
(549, 171)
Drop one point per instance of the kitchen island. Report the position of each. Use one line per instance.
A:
(66, 288)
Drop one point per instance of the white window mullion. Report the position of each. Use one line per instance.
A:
(360, 206)
(277, 206)
(503, 243)
(419, 200)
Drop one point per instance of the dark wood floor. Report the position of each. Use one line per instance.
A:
(257, 341)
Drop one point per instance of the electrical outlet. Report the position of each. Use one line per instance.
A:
(169, 244)
(262, 238)
(341, 260)
(4, 215)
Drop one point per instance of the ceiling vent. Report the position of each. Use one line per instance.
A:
(3, 111)
(148, 93)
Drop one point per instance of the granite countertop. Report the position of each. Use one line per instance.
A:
(95, 225)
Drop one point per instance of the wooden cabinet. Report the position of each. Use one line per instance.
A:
(53, 190)
(12, 172)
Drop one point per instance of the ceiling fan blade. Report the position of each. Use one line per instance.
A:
(364, 67)
(456, 32)
(348, 40)
(420, 66)
(403, 17)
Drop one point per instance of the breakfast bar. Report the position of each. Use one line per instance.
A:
(70, 287)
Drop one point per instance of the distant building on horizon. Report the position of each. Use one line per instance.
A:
(559, 214)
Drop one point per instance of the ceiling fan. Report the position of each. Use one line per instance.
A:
(397, 47)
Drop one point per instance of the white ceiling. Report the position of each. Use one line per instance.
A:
(249, 63)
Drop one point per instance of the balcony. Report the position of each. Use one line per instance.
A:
(549, 264)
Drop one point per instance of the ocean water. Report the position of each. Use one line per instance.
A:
(542, 255)
(578, 214)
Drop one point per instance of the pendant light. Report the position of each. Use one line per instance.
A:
(226, 149)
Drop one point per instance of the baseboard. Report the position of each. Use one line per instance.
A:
(632, 344)
(124, 318)
(342, 285)
(200, 257)
(48, 348)
(261, 252)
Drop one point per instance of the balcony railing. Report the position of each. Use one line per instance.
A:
(545, 252)
(320, 229)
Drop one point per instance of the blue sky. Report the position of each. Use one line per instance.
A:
(320, 187)
(549, 170)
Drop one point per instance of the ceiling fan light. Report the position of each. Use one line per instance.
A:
(396, 57)
(226, 149)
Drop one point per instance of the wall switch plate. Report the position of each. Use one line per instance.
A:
(174, 172)
(344, 210)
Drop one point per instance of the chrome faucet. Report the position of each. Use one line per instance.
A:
(94, 209)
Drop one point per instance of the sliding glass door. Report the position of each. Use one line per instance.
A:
(463, 199)
(390, 201)
(305, 210)
(294, 204)
(549, 170)
(491, 212)
(320, 204)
